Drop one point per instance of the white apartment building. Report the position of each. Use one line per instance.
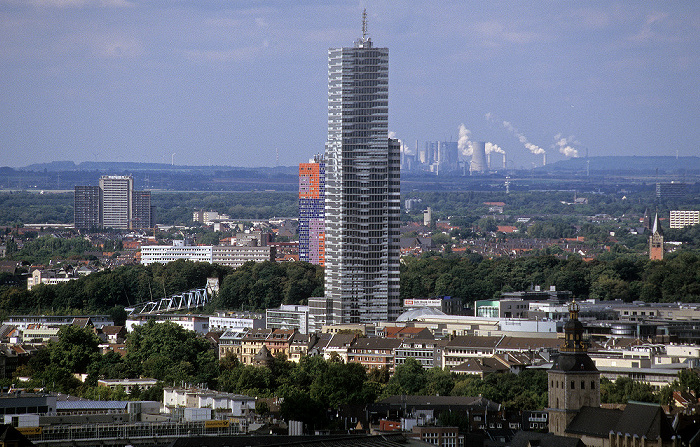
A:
(288, 316)
(197, 323)
(229, 255)
(116, 194)
(681, 219)
(236, 256)
(236, 322)
(168, 253)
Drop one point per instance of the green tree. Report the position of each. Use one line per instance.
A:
(166, 351)
(409, 378)
(75, 349)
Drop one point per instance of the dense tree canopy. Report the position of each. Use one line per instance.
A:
(255, 286)
(472, 277)
(167, 352)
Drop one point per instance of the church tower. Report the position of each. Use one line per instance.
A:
(573, 380)
(656, 241)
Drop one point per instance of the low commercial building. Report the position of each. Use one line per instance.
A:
(127, 384)
(288, 316)
(197, 323)
(236, 321)
(23, 321)
(224, 405)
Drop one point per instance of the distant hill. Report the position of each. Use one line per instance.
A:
(627, 164)
(126, 166)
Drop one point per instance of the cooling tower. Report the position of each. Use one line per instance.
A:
(478, 156)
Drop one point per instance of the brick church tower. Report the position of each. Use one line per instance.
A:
(573, 380)
(656, 241)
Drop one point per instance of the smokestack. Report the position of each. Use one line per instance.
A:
(488, 160)
(544, 159)
(504, 160)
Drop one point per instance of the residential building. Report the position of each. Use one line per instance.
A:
(231, 343)
(427, 352)
(362, 188)
(681, 219)
(312, 193)
(251, 344)
(235, 256)
(374, 353)
(279, 341)
(301, 345)
(86, 207)
(116, 201)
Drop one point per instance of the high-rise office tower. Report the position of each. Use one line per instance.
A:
(312, 192)
(86, 207)
(362, 187)
(113, 204)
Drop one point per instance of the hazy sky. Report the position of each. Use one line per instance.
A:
(237, 82)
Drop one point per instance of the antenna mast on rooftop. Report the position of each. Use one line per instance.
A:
(364, 25)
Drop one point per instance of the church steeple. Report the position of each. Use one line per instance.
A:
(574, 380)
(573, 332)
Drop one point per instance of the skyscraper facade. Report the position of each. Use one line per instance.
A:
(312, 192)
(362, 188)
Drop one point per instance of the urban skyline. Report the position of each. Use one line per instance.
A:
(238, 84)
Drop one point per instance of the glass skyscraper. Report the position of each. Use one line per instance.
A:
(362, 209)
(312, 192)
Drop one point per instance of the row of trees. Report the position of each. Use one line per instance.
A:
(103, 291)
(472, 277)
(256, 286)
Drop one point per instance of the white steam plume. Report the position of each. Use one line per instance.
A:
(492, 147)
(464, 143)
(565, 145)
(533, 148)
(404, 147)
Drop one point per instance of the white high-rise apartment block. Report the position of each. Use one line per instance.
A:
(116, 192)
(681, 219)
(362, 207)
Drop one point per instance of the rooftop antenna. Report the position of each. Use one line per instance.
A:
(364, 25)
